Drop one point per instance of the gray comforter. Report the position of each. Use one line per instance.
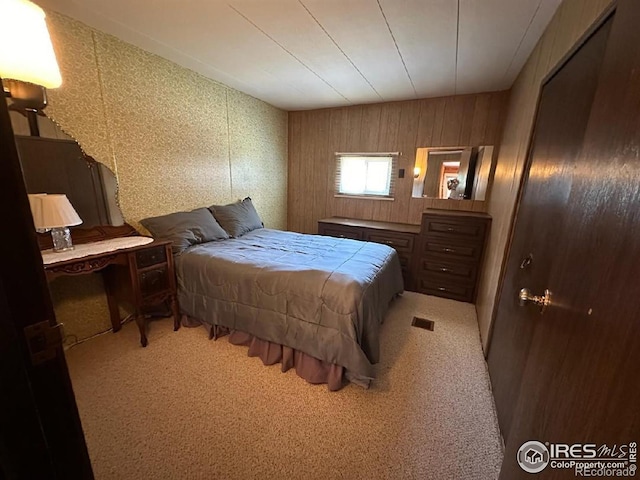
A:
(323, 296)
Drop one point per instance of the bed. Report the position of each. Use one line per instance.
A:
(305, 301)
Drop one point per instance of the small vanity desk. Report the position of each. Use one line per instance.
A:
(137, 271)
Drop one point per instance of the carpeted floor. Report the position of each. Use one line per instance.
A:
(189, 408)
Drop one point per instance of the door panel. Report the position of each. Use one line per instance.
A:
(580, 383)
(40, 432)
(561, 123)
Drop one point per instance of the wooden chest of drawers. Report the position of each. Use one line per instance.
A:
(400, 236)
(449, 254)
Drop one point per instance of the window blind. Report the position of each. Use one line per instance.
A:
(366, 174)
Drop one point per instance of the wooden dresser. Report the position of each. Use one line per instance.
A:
(400, 236)
(449, 253)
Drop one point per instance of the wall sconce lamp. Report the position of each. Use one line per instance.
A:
(54, 212)
(416, 172)
(27, 62)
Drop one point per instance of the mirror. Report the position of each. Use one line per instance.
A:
(454, 173)
(55, 163)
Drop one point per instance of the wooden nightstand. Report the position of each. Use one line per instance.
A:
(146, 280)
(139, 276)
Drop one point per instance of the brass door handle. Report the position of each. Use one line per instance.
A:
(525, 297)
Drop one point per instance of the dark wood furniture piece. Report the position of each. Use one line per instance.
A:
(400, 236)
(141, 277)
(40, 433)
(449, 253)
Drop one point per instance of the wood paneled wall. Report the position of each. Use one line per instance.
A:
(569, 23)
(315, 135)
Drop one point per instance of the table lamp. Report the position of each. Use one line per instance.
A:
(55, 212)
(34, 203)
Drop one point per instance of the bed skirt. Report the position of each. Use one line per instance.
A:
(311, 369)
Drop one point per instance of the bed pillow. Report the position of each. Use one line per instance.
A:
(185, 229)
(237, 218)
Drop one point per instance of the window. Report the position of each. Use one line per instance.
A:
(367, 175)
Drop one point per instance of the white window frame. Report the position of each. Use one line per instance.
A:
(369, 157)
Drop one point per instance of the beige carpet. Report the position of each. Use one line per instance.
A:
(189, 408)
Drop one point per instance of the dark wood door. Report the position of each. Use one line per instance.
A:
(563, 113)
(40, 432)
(572, 374)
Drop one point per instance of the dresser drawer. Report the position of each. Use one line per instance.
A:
(398, 241)
(453, 272)
(454, 229)
(405, 258)
(431, 286)
(154, 281)
(151, 256)
(402, 237)
(340, 232)
(451, 251)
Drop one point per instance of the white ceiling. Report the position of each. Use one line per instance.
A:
(304, 54)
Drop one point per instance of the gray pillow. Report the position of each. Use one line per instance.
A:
(237, 218)
(185, 228)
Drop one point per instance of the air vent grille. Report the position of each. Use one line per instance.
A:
(423, 323)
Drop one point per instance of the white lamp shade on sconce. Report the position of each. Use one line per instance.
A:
(53, 211)
(26, 52)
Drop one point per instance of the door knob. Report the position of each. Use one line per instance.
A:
(542, 301)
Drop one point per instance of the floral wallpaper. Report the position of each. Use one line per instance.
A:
(175, 140)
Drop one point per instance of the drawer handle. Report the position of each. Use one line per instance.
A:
(341, 236)
(388, 242)
(448, 250)
(444, 269)
(451, 229)
(442, 289)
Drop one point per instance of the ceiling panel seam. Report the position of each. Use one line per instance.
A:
(398, 49)
(288, 51)
(341, 51)
(524, 35)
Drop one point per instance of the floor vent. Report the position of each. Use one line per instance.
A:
(423, 323)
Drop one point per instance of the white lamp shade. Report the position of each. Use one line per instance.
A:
(53, 211)
(26, 52)
(36, 205)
